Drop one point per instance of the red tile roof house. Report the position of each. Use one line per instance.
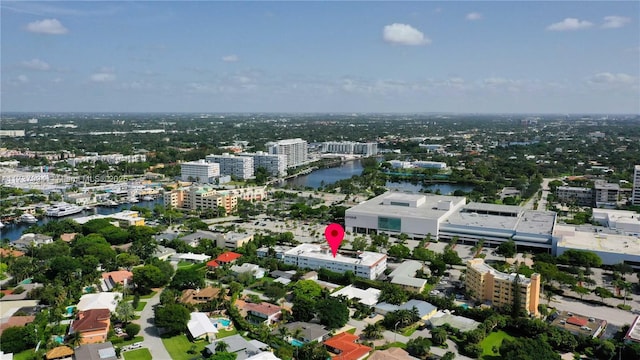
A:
(93, 325)
(116, 277)
(260, 313)
(226, 258)
(344, 345)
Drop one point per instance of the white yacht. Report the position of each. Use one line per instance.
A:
(28, 218)
(1, 225)
(147, 198)
(63, 209)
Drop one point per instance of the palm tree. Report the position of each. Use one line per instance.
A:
(75, 338)
(372, 331)
(284, 332)
(548, 295)
(221, 346)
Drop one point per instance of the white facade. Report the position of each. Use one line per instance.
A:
(611, 248)
(276, 165)
(350, 147)
(109, 159)
(430, 165)
(416, 215)
(240, 167)
(635, 197)
(199, 171)
(367, 265)
(295, 149)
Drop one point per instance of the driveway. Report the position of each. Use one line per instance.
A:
(152, 340)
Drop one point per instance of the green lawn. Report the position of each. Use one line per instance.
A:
(24, 355)
(139, 354)
(148, 296)
(222, 333)
(128, 342)
(494, 339)
(410, 329)
(178, 347)
(393, 344)
(141, 305)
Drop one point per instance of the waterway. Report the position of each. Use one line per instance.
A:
(350, 168)
(14, 231)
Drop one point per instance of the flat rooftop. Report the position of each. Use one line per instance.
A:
(322, 252)
(428, 208)
(482, 267)
(634, 331)
(537, 222)
(472, 219)
(492, 208)
(570, 237)
(578, 324)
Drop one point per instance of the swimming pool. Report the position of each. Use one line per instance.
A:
(69, 310)
(26, 281)
(296, 342)
(223, 321)
(58, 339)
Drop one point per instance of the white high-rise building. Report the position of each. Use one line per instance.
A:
(276, 165)
(350, 147)
(295, 149)
(635, 196)
(240, 167)
(199, 171)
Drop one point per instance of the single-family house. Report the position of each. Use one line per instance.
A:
(263, 312)
(253, 269)
(201, 327)
(393, 353)
(345, 347)
(103, 300)
(367, 297)
(224, 259)
(232, 240)
(112, 278)
(93, 325)
(236, 344)
(164, 253)
(190, 257)
(60, 353)
(68, 237)
(309, 332)
(199, 296)
(194, 239)
(425, 309)
(30, 239)
(5, 253)
(19, 321)
(104, 351)
(405, 276)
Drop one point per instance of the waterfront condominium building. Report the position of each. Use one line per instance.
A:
(276, 165)
(368, 265)
(486, 284)
(350, 147)
(240, 167)
(635, 197)
(295, 149)
(199, 171)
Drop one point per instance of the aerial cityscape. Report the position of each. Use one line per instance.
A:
(320, 180)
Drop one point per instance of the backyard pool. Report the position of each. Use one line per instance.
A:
(223, 321)
(296, 342)
(58, 339)
(26, 281)
(69, 310)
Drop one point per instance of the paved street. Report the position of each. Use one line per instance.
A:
(152, 340)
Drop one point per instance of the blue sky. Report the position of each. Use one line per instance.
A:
(467, 57)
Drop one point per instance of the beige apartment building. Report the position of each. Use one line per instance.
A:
(486, 284)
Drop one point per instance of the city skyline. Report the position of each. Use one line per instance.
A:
(462, 57)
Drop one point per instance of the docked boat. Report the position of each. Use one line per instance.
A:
(110, 203)
(62, 209)
(28, 218)
(1, 225)
(147, 198)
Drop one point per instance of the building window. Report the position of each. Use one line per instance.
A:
(391, 224)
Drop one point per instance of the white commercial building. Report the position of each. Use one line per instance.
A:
(635, 197)
(240, 167)
(199, 171)
(416, 215)
(624, 221)
(366, 264)
(611, 246)
(276, 165)
(295, 149)
(12, 133)
(430, 165)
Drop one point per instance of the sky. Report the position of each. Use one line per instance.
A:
(391, 56)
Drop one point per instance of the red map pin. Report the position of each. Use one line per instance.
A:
(334, 234)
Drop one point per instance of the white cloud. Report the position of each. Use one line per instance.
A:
(36, 64)
(570, 24)
(610, 78)
(474, 16)
(614, 22)
(403, 34)
(23, 79)
(47, 26)
(230, 58)
(103, 75)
